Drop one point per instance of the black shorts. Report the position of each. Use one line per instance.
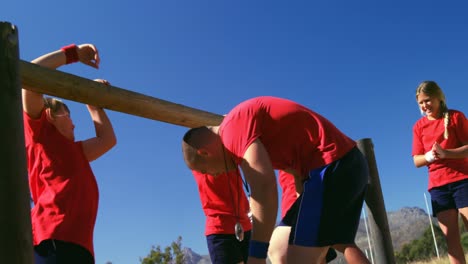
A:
(58, 252)
(450, 196)
(329, 209)
(226, 249)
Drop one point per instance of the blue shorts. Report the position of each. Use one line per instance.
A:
(450, 196)
(58, 252)
(226, 249)
(329, 209)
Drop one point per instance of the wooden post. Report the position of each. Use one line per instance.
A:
(378, 222)
(15, 220)
(78, 89)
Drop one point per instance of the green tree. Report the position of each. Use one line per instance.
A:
(464, 241)
(172, 254)
(422, 248)
(461, 224)
(463, 234)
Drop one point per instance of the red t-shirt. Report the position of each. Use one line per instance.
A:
(223, 201)
(426, 132)
(62, 185)
(288, 188)
(294, 136)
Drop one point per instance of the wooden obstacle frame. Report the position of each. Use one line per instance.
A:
(15, 222)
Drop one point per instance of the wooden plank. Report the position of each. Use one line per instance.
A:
(71, 87)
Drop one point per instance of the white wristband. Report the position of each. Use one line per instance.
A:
(429, 156)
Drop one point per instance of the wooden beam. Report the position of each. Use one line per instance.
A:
(71, 87)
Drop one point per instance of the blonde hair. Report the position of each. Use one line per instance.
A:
(432, 89)
(55, 105)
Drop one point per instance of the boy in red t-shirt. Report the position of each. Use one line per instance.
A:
(62, 184)
(267, 133)
(226, 207)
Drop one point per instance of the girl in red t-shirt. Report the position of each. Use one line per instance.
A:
(63, 187)
(440, 142)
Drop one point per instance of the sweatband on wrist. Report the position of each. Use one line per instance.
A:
(258, 249)
(71, 53)
(429, 156)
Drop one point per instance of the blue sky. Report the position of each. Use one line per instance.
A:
(356, 62)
